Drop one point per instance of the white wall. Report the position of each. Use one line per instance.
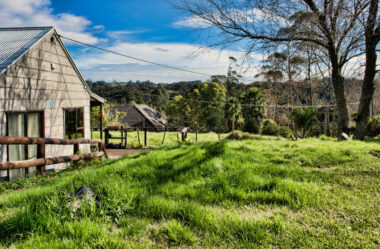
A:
(31, 85)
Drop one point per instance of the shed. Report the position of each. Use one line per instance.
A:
(141, 116)
(42, 94)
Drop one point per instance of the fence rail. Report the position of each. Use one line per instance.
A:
(41, 161)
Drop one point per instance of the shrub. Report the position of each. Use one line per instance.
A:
(374, 127)
(284, 131)
(269, 128)
(251, 125)
(305, 119)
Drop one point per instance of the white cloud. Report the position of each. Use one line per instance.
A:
(192, 22)
(105, 66)
(39, 13)
(251, 15)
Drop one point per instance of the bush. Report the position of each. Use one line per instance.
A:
(374, 127)
(305, 119)
(271, 128)
(238, 135)
(251, 125)
(284, 131)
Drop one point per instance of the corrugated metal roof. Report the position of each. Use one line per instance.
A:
(14, 42)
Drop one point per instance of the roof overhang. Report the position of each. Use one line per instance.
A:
(96, 98)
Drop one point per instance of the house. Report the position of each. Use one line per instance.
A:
(140, 116)
(42, 94)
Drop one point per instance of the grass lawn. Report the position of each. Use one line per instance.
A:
(229, 194)
(155, 138)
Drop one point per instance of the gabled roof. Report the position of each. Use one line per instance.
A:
(157, 119)
(152, 116)
(15, 42)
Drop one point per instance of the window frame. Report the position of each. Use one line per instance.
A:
(76, 121)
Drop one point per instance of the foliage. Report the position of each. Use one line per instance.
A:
(212, 96)
(194, 110)
(271, 128)
(374, 127)
(254, 109)
(234, 113)
(229, 194)
(285, 131)
(108, 117)
(305, 119)
(175, 111)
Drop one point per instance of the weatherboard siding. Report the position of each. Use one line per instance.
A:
(30, 84)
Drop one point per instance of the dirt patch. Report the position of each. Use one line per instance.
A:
(116, 153)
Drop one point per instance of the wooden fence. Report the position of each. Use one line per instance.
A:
(41, 161)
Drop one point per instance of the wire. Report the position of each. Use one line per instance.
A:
(135, 58)
(142, 60)
(194, 72)
(252, 105)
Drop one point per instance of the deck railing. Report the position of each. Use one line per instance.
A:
(41, 160)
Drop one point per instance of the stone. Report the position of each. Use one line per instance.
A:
(84, 192)
(343, 137)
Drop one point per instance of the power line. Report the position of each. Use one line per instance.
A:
(194, 72)
(252, 105)
(139, 59)
(135, 58)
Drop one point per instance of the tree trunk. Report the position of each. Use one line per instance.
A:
(327, 121)
(233, 124)
(334, 122)
(341, 100)
(368, 87)
(196, 136)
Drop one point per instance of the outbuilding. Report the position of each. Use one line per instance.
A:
(140, 116)
(42, 94)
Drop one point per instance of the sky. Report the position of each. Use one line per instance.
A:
(151, 29)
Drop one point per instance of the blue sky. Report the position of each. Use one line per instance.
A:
(152, 20)
(149, 29)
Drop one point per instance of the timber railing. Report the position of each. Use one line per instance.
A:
(41, 161)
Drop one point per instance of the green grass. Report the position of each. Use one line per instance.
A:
(155, 138)
(229, 194)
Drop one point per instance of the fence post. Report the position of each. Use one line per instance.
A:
(145, 137)
(76, 149)
(41, 154)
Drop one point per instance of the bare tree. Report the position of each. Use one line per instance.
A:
(332, 25)
(372, 38)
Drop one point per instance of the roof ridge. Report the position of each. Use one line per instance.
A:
(27, 28)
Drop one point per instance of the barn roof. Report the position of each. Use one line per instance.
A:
(154, 117)
(157, 119)
(15, 42)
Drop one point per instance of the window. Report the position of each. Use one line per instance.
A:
(74, 123)
(25, 124)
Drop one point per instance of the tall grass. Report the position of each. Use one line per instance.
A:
(154, 139)
(250, 193)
